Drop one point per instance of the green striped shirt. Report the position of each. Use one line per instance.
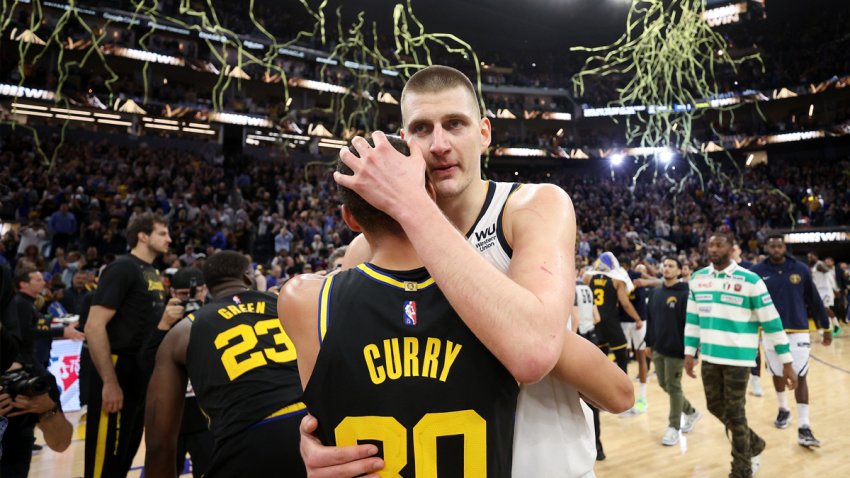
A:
(725, 310)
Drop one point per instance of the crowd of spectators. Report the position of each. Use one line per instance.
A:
(287, 218)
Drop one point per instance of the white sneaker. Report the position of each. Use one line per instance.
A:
(691, 421)
(755, 463)
(671, 437)
(755, 386)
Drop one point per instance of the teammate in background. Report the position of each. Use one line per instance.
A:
(795, 297)
(393, 362)
(636, 336)
(585, 315)
(527, 235)
(726, 306)
(128, 301)
(824, 279)
(665, 335)
(611, 286)
(336, 259)
(243, 372)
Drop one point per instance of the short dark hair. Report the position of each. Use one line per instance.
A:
(775, 235)
(725, 236)
(22, 274)
(371, 218)
(674, 259)
(143, 223)
(223, 266)
(437, 78)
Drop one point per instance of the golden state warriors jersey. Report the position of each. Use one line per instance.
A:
(241, 362)
(398, 368)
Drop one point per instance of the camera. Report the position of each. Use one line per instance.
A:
(21, 382)
(192, 304)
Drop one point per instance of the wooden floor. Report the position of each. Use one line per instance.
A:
(632, 444)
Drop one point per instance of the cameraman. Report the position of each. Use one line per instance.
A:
(188, 293)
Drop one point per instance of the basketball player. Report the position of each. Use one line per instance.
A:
(242, 367)
(824, 279)
(635, 333)
(526, 233)
(795, 296)
(393, 362)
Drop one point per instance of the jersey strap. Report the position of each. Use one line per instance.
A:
(378, 276)
(324, 307)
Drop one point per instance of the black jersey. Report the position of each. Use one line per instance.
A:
(134, 289)
(241, 363)
(639, 296)
(605, 298)
(398, 367)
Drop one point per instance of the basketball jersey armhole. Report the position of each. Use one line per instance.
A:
(324, 308)
(500, 231)
(491, 191)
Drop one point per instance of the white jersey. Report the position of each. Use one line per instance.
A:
(584, 302)
(553, 431)
(825, 283)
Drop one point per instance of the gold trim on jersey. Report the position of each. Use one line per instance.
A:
(287, 409)
(324, 307)
(392, 281)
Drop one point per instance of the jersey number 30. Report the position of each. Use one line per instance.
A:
(230, 357)
(425, 433)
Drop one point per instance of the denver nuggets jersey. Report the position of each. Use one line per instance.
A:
(241, 362)
(399, 368)
(553, 431)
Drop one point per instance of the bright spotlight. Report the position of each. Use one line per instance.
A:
(666, 156)
(617, 159)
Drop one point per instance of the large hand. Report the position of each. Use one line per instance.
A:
(37, 404)
(638, 324)
(5, 403)
(789, 376)
(383, 176)
(70, 332)
(171, 315)
(335, 462)
(690, 363)
(113, 397)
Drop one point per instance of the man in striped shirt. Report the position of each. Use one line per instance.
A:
(726, 306)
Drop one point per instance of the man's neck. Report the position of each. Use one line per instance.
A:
(671, 282)
(394, 253)
(143, 253)
(230, 287)
(27, 293)
(722, 266)
(778, 262)
(463, 210)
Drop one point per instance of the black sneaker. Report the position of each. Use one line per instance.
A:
(782, 419)
(37, 447)
(600, 454)
(805, 437)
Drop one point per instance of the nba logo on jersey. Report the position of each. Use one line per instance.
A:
(410, 312)
(236, 299)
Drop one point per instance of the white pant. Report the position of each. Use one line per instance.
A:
(801, 345)
(635, 337)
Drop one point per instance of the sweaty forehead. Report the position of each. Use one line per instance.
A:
(437, 105)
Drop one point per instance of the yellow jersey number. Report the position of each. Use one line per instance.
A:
(236, 365)
(424, 436)
(598, 297)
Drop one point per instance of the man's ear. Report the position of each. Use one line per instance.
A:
(248, 278)
(350, 220)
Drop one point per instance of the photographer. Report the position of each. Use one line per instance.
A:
(20, 408)
(188, 293)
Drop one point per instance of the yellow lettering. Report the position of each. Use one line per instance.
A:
(261, 307)
(250, 307)
(392, 358)
(451, 355)
(224, 313)
(234, 310)
(601, 282)
(376, 373)
(411, 357)
(429, 362)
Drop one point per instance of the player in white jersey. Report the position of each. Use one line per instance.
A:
(514, 292)
(827, 286)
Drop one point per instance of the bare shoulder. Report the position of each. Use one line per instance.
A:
(299, 291)
(539, 207)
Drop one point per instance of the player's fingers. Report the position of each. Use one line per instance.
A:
(361, 145)
(350, 159)
(344, 180)
(346, 470)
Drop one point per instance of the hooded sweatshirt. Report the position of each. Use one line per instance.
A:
(665, 313)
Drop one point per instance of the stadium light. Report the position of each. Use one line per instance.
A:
(617, 159)
(666, 156)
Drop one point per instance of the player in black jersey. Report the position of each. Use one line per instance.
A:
(384, 358)
(243, 370)
(130, 298)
